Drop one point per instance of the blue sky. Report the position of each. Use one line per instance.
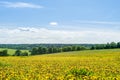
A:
(59, 21)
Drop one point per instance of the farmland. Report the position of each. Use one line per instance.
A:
(76, 65)
(12, 51)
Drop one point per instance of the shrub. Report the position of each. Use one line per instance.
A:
(3, 53)
(24, 54)
(17, 53)
(79, 73)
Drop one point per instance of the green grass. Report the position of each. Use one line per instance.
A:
(12, 51)
(85, 53)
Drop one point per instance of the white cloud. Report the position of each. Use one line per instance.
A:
(28, 29)
(19, 5)
(53, 23)
(42, 35)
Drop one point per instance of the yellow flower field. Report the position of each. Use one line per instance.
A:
(82, 65)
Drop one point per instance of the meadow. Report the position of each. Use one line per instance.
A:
(12, 51)
(77, 65)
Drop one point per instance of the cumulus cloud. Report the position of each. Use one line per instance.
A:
(42, 35)
(27, 29)
(53, 23)
(19, 5)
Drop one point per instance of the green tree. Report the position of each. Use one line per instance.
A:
(74, 48)
(24, 54)
(64, 49)
(3, 53)
(83, 48)
(100, 46)
(60, 49)
(18, 52)
(113, 45)
(34, 51)
(108, 46)
(78, 48)
(93, 47)
(69, 48)
(118, 45)
(55, 49)
(39, 51)
(50, 50)
(44, 50)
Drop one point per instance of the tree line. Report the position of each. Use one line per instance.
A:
(31, 46)
(57, 49)
(111, 45)
(48, 50)
(44, 50)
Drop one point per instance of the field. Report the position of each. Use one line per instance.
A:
(81, 65)
(12, 51)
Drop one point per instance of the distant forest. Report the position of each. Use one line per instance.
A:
(31, 46)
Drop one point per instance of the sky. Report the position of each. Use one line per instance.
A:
(59, 21)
